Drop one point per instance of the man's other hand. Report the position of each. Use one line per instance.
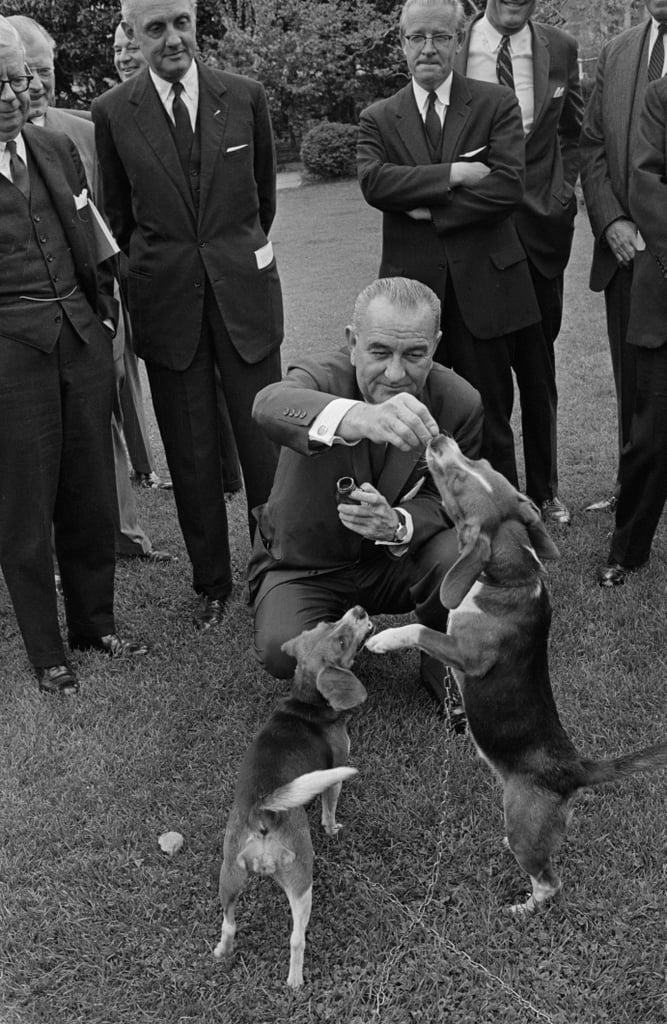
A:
(373, 518)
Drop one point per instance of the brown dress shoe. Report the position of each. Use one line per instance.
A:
(57, 679)
(614, 574)
(111, 645)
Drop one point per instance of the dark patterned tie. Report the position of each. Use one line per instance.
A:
(657, 61)
(182, 125)
(18, 170)
(504, 64)
(432, 123)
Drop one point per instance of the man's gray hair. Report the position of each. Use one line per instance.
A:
(399, 291)
(9, 37)
(30, 31)
(455, 6)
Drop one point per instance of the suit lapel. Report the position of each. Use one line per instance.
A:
(212, 118)
(631, 92)
(458, 113)
(541, 69)
(150, 121)
(410, 126)
(398, 466)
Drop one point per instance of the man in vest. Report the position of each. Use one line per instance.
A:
(188, 171)
(56, 385)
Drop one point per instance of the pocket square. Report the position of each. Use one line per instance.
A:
(471, 153)
(559, 92)
(233, 149)
(81, 200)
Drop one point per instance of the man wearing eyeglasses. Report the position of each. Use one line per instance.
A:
(444, 161)
(56, 391)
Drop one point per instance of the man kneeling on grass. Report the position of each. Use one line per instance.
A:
(364, 412)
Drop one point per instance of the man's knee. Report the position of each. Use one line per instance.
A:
(269, 653)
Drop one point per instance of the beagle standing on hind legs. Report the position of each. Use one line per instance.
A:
(496, 642)
(299, 752)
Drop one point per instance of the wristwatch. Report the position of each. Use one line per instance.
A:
(401, 531)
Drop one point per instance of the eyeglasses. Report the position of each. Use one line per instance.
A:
(439, 39)
(19, 83)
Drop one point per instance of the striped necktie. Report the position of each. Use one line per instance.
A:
(18, 169)
(432, 123)
(504, 69)
(657, 61)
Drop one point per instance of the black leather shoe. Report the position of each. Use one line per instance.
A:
(440, 685)
(209, 612)
(153, 556)
(111, 645)
(57, 679)
(554, 511)
(614, 574)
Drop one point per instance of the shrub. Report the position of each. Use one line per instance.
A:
(329, 150)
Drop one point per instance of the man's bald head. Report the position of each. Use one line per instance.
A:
(39, 54)
(14, 106)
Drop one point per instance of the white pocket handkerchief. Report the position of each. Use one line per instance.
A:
(473, 152)
(559, 92)
(233, 149)
(264, 255)
(82, 200)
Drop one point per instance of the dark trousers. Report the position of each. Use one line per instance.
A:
(380, 582)
(56, 467)
(623, 356)
(187, 414)
(643, 465)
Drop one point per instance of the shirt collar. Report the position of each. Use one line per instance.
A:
(189, 82)
(442, 92)
(520, 42)
(20, 148)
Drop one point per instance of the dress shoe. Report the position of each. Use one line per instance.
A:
(57, 679)
(605, 505)
(554, 511)
(209, 612)
(153, 556)
(111, 645)
(440, 685)
(614, 574)
(152, 481)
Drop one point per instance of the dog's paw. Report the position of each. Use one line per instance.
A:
(385, 641)
(332, 828)
(225, 947)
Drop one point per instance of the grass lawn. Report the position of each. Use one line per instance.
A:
(99, 926)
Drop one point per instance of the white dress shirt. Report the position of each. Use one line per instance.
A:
(190, 94)
(482, 57)
(442, 102)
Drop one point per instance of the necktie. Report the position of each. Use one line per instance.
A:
(504, 69)
(432, 123)
(182, 125)
(656, 63)
(18, 169)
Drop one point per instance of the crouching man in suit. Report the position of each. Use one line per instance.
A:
(367, 412)
(56, 391)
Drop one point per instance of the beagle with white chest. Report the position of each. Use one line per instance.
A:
(299, 752)
(496, 643)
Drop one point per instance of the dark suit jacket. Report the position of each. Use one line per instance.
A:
(60, 166)
(174, 247)
(648, 204)
(545, 216)
(299, 530)
(609, 139)
(471, 236)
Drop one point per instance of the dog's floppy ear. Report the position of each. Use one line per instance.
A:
(340, 687)
(474, 556)
(537, 531)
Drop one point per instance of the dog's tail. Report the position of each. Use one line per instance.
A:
(613, 769)
(304, 788)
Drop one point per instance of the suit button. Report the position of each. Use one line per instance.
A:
(202, 244)
(36, 218)
(194, 173)
(49, 258)
(197, 284)
(58, 319)
(42, 238)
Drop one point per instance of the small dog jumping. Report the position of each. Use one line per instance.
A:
(496, 643)
(299, 752)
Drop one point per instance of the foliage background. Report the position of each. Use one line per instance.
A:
(319, 60)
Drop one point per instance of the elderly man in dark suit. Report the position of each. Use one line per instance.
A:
(56, 386)
(365, 412)
(607, 147)
(643, 465)
(188, 169)
(444, 161)
(539, 63)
